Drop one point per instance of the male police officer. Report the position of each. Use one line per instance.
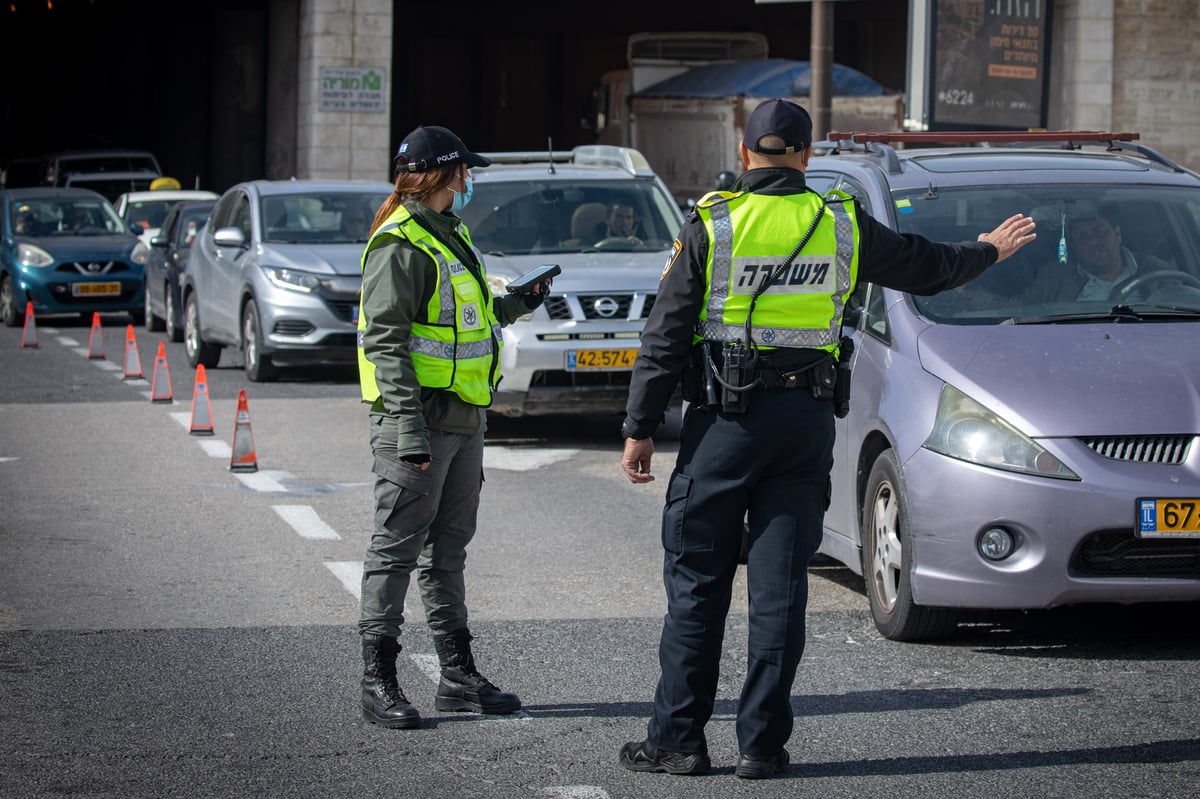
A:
(759, 332)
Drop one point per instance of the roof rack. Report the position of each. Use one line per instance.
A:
(1070, 140)
(1070, 137)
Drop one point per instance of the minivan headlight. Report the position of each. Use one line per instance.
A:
(291, 279)
(966, 430)
(140, 253)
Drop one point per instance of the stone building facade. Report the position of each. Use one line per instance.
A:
(1124, 65)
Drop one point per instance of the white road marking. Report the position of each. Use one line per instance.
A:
(215, 448)
(349, 573)
(107, 365)
(69, 342)
(522, 459)
(2, 460)
(263, 481)
(576, 792)
(305, 521)
(428, 664)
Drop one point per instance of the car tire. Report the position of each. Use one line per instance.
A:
(171, 320)
(153, 323)
(10, 311)
(257, 363)
(199, 352)
(887, 560)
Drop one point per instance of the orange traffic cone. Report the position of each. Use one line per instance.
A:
(133, 364)
(243, 459)
(29, 332)
(201, 424)
(96, 339)
(160, 385)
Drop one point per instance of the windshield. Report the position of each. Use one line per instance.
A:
(66, 217)
(148, 213)
(557, 216)
(1097, 247)
(320, 218)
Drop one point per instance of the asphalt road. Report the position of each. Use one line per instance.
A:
(171, 628)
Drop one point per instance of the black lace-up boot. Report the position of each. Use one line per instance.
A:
(461, 686)
(383, 702)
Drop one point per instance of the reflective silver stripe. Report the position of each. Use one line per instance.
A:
(722, 260)
(445, 290)
(475, 349)
(766, 336)
(843, 230)
(775, 337)
(445, 349)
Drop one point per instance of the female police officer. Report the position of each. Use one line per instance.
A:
(429, 360)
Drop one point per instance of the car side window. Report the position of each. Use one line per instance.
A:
(224, 212)
(240, 216)
(874, 320)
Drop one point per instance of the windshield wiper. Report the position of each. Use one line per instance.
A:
(1118, 313)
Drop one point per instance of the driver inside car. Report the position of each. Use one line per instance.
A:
(621, 223)
(1096, 261)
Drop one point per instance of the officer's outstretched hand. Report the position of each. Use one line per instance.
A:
(1013, 234)
(636, 460)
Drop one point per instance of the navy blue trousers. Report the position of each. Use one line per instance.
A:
(772, 462)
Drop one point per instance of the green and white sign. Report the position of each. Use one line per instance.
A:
(351, 89)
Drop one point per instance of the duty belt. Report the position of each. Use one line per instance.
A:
(802, 377)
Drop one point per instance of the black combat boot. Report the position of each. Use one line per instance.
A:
(383, 702)
(461, 686)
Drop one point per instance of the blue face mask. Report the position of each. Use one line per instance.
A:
(461, 198)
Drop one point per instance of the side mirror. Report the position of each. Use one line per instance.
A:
(136, 228)
(229, 237)
(160, 242)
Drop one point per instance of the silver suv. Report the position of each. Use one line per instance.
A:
(275, 274)
(576, 352)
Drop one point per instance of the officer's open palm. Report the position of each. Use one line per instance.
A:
(1012, 234)
(636, 460)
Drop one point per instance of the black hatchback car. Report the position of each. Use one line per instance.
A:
(167, 261)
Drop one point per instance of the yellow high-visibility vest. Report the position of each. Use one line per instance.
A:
(456, 344)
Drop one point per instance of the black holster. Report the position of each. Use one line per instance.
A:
(841, 388)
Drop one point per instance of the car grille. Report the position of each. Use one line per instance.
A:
(1167, 450)
(561, 378)
(343, 309)
(598, 307)
(1117, 553)
(92, 268)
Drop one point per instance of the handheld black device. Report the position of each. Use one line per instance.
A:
(525, 283)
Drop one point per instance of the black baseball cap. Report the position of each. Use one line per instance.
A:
(431, 146)
(782, 118)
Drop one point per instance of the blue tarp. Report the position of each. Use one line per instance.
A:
(771, 77)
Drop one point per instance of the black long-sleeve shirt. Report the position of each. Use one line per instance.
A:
(901, 261)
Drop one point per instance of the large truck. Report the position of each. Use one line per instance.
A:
(684, 99)
(654, 57)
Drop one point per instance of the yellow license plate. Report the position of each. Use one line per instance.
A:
(95, 289)
(600, 359)
(1168, 518)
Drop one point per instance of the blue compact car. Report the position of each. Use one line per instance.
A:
(67, 251)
